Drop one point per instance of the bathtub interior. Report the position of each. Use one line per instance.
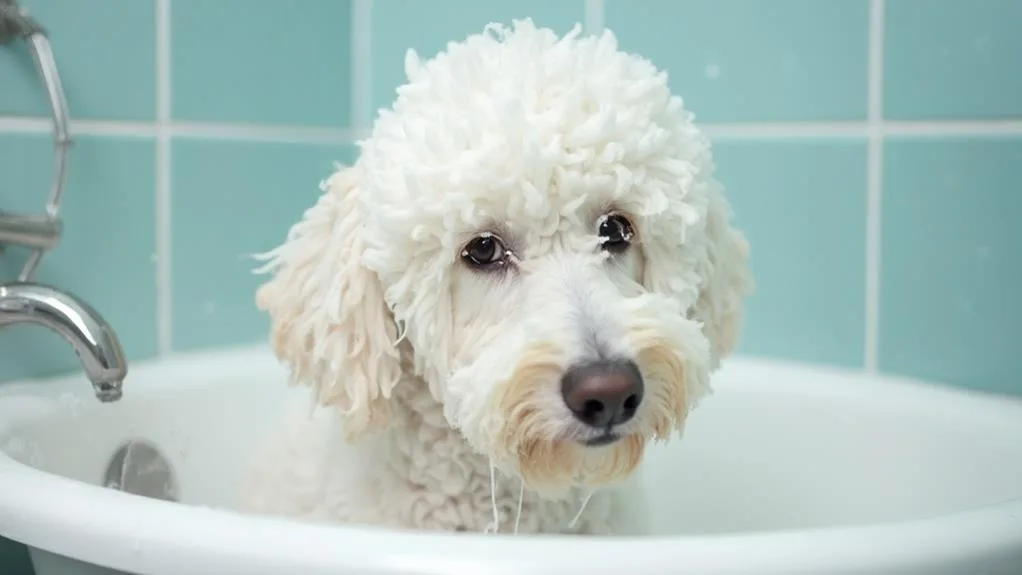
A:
(202, 426)
(774, 448)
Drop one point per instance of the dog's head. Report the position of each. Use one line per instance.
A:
(535, 232)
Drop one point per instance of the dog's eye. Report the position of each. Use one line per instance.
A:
(616, 233)
(484, 252)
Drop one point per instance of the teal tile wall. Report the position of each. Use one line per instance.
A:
(230, 124)
(802, 205)
(754, 60)
(261, 62)
(952, 260)
(217, 228)
(106, 52)
(952, 59)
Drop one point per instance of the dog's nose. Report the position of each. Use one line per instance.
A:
(603, 393)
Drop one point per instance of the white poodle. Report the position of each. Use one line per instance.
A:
(527, 277)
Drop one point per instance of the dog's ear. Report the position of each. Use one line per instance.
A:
(330, 323)
(727, 280)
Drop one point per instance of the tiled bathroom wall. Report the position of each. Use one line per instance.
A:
(872, 150)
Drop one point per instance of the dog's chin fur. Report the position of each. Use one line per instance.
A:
(438, 382)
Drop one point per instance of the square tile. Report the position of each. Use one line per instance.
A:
(106, 255)
(232, 200)
(106, 56)
(802, 206)
(262, 63)
(951, 270)
(427, 27)
(754, 60)
(952, 59)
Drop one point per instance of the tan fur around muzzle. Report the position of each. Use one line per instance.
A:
(547, 463)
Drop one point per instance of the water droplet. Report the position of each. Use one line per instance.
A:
(69, 401)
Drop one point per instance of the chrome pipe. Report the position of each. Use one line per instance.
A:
(40, 233)
(16, 23)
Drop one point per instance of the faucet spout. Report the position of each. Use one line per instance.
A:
(91, 337)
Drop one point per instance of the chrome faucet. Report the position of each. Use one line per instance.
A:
(73, 319)
(24, 301)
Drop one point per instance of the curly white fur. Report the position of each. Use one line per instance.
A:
(431, 379)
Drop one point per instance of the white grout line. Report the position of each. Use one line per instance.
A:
(164, 299)
(784, 130)
(951, 128)
(888, 129)
(204, 130)
(594, 16)
(874, 184)
(282, 134)
(19, 124)
(311, 134)
(361, 71)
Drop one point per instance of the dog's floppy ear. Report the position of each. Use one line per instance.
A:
(329, 321)
(721, 300)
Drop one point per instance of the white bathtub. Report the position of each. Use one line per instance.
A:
(786, 469)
